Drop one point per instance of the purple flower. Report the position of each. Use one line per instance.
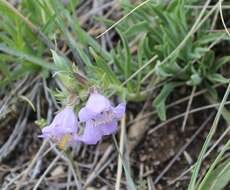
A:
(65, 2)
(100, 118)
(62, 128)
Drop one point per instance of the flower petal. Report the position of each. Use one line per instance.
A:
(109, 128)
(85, 114)
(65, 122)
(98, 103)
(44, 136)
(119, 110)
(91, 134)
(48, 131)
(69, 121)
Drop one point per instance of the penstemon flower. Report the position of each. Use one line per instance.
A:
(100, 118)
(65, 2)
(63, 128)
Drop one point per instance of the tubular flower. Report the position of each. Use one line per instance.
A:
(65, 2)
(62, 128)
(100, 118)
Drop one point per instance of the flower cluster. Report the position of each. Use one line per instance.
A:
(96, 119)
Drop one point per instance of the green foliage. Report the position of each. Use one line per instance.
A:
(159, 102)
(218, 178)
(41, 122)
(164, 28)
(142, 185)
(155, 30)
(18, 41)
(204, 149)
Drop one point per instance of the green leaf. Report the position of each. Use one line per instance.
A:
(101, 64)
(219, 178)
(215, 77)
(208, 38)
(60, 62)
(159, 102)
(76, 49)
(137, 29)
(64, 71)
(127, 64)
(220, 63)
(195, 80)
(211, 90)
(167, 69)
(192, 183)
(33, 59)
(208, 60)
(198, 52)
